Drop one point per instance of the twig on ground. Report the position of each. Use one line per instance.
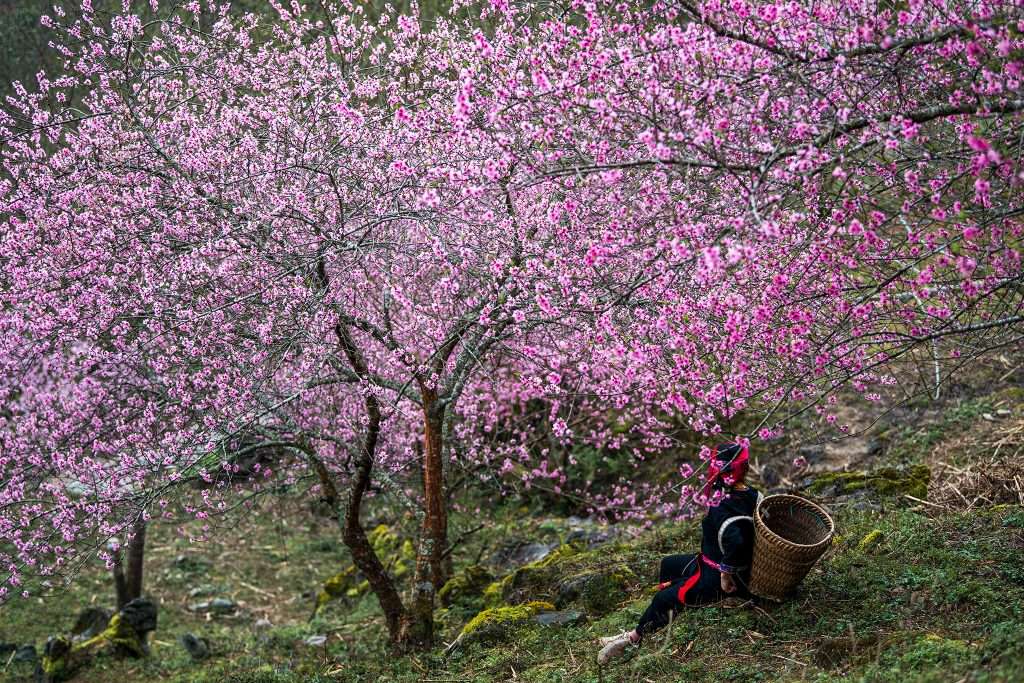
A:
(256, 589)
(1006, 375)
(789, 659)
(926, 502)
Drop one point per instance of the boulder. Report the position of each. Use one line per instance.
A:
(591, 538)
(871, 541)
(26, 654)
(566, 576)
(522, 584)
(599, 591)
(466, 587)
(588, 534)
(217, 606)
(197, 647)
(813, 453)
(203, 591)
(516, 553)
(126, 633)
(885, 482)
(397, 554)
(58, 662)
(336, 587)
(770, 476)
(90, 622)
(561, 618)
(140, 616)
(499, 623)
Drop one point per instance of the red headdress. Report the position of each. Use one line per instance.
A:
(728, 466)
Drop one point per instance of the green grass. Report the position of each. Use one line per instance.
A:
(905, 594)
(936, 599)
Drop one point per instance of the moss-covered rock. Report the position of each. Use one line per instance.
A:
(125, 634)
(55, 665)
(598, 592)
(886, 482)
(494, 594)
(466, 587)
(396, 554)
(336, 587)
(498, 623)
(522, 585)
(119, 634)
(871, 541)
(566, 577)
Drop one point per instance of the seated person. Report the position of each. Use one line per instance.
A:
(721, 569)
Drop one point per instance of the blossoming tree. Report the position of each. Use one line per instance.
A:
(834, 192)
(371, 246)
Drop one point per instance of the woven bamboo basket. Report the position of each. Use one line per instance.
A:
(791, 533)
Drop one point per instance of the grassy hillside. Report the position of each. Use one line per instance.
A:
(912, 590)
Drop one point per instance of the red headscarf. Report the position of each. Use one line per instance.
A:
(727, 466)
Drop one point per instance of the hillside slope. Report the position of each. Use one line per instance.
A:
(925, 582)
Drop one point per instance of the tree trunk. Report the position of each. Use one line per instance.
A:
(435, 522)
(364, 557)
(120, 585)
(136, 556)
(430, 553)
(366, 561)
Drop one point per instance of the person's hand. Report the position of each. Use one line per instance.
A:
(728, 583)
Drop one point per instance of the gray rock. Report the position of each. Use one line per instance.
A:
(315, 641)
(562, 618)
(203, 590)
(223, 605)
(569, 589)
(769, 476)
(196, 646)
(26, 654)
(812, 453)
(591, 538)
(140, 614)
(262, 628)
(90, 622)
(215, 606)
(518, 553)
(599, 592)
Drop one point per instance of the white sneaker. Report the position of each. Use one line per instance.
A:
(614, 649)
(610, 639)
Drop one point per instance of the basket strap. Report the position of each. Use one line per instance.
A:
(726, 523)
